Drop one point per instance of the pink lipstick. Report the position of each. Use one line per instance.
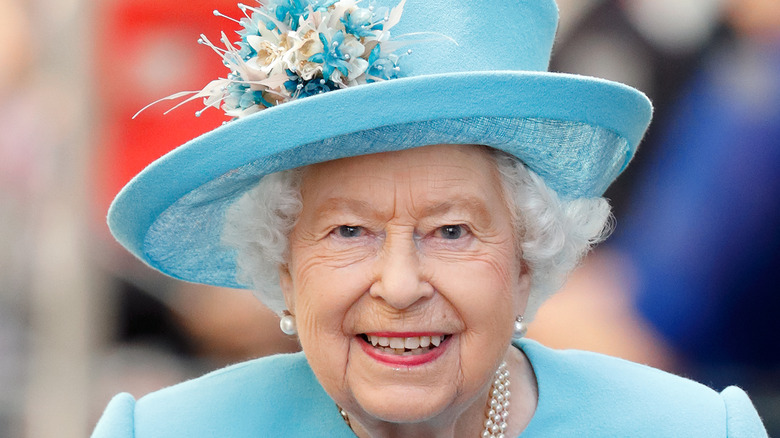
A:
(404, 348)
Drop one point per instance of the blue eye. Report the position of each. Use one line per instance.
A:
(451, 232)
(348, 231)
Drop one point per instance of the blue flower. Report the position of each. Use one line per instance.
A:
(332, 58)
(295, 9)
(249, 26)
(361, 23)
(294, 83)
(240, 96)
(249, 29)
(300, 88)
(382, 67)
(292, 8)
(317, 86)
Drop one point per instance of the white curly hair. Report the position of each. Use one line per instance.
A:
(553, 234)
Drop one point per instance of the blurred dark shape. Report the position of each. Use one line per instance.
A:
(144, 319)
(705, 222)
(197, 323)
(606, 43)
(699, 210)
(704, 227)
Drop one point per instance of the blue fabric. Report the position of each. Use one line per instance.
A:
(580, 395)
(577, 132)
(523, 33)
(118, 420)
(584, 394)
(262, 398)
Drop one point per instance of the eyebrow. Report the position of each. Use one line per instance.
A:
(366, 209)
(338, 204)
(469, 204)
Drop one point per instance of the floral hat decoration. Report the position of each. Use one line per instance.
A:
(315, 80)
(291, 49)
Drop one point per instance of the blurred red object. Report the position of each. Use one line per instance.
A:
(146, 50)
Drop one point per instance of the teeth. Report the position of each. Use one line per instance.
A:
(398, 345)
(412, 343)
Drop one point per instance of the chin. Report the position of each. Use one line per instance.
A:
(407, 405)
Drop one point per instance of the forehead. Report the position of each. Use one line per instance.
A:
(431, 173)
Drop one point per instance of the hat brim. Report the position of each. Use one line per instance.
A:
(577, 132)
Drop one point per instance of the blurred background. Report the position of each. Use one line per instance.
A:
(688, 283)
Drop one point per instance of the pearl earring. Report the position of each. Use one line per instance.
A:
(520, 328)
(287, 324)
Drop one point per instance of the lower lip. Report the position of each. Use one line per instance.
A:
(405, 361)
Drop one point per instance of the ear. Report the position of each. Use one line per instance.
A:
(286, 284)
(523, 291)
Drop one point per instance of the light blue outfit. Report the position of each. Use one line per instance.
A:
(581, 394)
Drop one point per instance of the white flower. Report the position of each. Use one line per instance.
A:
(306, 45)
(353, 49)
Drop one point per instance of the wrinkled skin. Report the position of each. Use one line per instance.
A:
(413, 241)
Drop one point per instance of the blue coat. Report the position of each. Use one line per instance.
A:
(581, 394)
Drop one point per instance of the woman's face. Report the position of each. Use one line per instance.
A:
(405, 279)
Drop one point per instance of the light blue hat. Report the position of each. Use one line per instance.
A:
(476, 74)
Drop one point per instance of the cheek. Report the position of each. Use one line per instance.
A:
(494, 271)
(323, 297)
(324, 294)
(484, 291)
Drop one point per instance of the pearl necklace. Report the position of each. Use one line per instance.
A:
(498, 406)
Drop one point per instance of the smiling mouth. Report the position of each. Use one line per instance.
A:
(406, 346)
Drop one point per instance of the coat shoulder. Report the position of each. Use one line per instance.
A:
(607, 396)
(262, 397)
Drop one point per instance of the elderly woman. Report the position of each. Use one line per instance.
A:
(405, 214)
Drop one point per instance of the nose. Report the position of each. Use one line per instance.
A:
(399, 279)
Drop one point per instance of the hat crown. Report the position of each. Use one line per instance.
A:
(488, 35)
